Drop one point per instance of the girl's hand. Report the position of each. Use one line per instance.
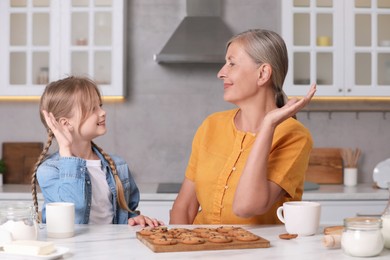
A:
(293, 106)
(61, 132)
(144, 221)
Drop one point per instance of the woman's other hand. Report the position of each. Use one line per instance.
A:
(144, 221)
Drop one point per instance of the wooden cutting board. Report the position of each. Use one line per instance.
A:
(180, 247)
(325, 166)
(20, 159)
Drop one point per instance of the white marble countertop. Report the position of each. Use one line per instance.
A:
(364, 191)
(120, 242)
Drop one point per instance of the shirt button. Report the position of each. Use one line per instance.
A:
(226, 187)
(221, 206)
(241, 150)
(88, 182)
(234, 168)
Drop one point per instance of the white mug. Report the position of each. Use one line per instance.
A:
(60, 219)
(300, 217)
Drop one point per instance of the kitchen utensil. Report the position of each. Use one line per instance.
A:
(350, 176)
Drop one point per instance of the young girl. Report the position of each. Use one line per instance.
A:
(100, 185)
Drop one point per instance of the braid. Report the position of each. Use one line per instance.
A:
(34, 174)
(119, 187)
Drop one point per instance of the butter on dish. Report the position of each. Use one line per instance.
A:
(29, 247)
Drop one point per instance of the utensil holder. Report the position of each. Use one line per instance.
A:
(350, 177)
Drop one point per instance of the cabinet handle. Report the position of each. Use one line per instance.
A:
(368, 215)
(340, 90)
(349, 90)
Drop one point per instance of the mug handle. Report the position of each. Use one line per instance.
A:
(279, 214)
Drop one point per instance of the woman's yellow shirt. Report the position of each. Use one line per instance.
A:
(219, 153)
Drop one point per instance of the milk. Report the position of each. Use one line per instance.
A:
(386, 230)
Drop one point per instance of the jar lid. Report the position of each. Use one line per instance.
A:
(363, 223)
(15, 209)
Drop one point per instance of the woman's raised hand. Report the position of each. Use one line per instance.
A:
(61, 132)
(293, 106)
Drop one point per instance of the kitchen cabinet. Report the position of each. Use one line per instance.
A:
(344, 46)
(45, 40)
(339, 201)
(334, 212)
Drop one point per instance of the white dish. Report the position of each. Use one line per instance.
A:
(381, 174)
(60, 251)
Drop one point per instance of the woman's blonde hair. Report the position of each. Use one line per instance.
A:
(265, 46)
(60, 98)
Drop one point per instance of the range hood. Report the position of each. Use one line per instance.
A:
(200, 38)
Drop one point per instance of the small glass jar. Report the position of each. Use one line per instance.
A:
(386, 222)
(362, 236)
(43, 76)
(19, 219)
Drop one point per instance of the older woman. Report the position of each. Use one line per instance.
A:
(247, 161)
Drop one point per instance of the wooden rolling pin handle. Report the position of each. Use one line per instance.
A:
(331, 241)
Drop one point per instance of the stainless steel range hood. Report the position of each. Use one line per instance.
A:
(200, 38)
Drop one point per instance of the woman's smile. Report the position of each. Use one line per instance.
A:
(227, 85)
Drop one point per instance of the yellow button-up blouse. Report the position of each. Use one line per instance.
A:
(219, 154)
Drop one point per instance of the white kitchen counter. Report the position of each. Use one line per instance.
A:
(17, 192)
(365, 191)
(148, 193)
(23, 192)
(120, 242)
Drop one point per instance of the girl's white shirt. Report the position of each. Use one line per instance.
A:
(101, 209)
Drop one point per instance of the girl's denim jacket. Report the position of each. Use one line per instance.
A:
(66, 179)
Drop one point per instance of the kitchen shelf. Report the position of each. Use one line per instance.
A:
(45, 40)
(344, 46)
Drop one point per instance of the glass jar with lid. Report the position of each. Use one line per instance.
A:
(362, 236)
(19, 219)
(386, 223)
